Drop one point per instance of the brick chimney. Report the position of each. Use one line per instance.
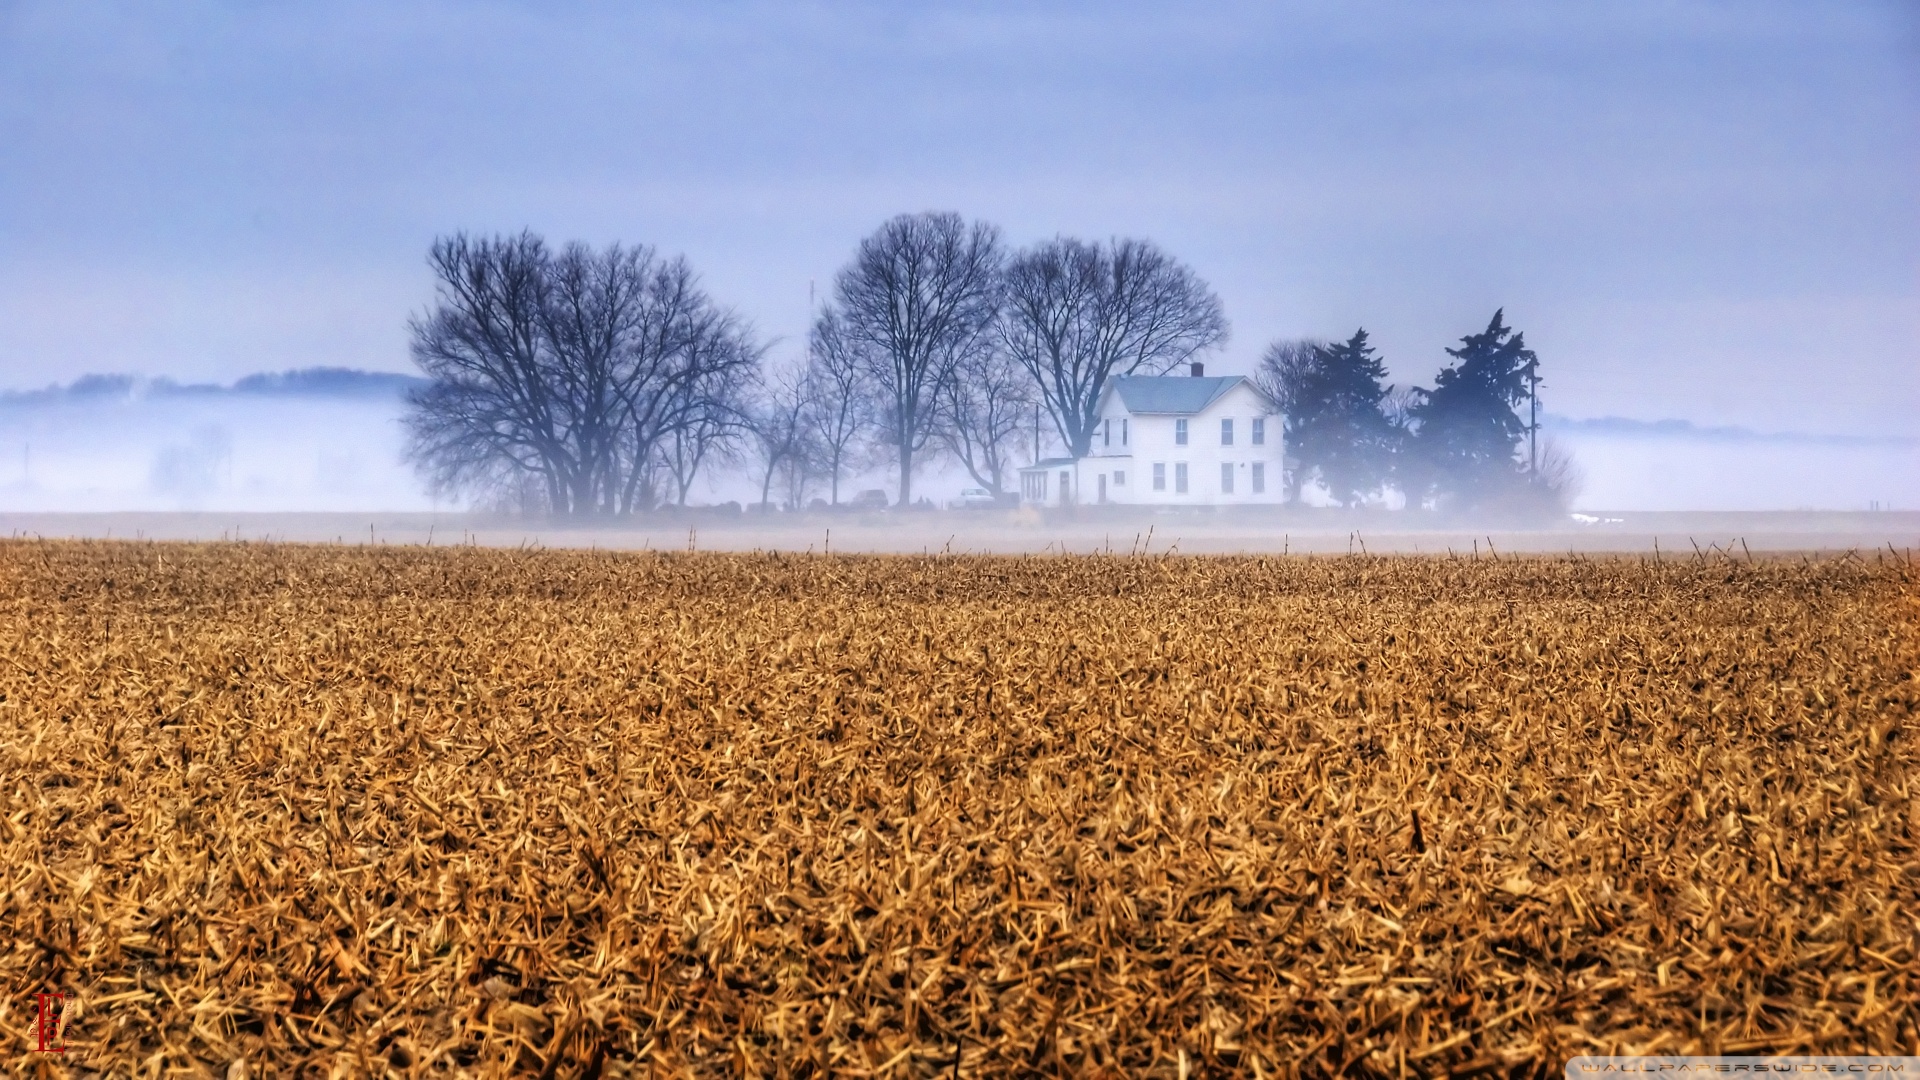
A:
(1197, 370)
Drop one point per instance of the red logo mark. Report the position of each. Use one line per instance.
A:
(46, 1026)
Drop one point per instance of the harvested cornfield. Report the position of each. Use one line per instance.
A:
(374, 811)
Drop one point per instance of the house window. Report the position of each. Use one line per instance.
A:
(1179, 433)
(1180, 477)
(1106, 433)
(1226, 431)
(1123, 431)
(1226, 478)
(1259, 472)
(1119, 478)
(1159, 476)
(1259, 431)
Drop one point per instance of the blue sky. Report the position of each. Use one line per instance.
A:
(1704, 210)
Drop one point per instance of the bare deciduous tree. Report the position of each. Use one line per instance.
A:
(1558, 476)
(919, 295)
(797, 474)
(566, 369)
(840, 401)
(712, 421)
(589, 303)
(777, 425)
(1077, 315)
(489, 414)
(685, 370)
(983, 409)
(1285, 373)
(1285, 369)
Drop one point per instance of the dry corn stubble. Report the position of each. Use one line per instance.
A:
(386, 811)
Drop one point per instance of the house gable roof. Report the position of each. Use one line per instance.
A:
(1174, 395)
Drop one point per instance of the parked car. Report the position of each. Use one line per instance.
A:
(975, 499)
(870, 499)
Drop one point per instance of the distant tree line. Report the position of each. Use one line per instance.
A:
(582, 382)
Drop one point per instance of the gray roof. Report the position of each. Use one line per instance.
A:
(1172, 394)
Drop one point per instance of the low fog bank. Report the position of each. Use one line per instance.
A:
(111, 444)
(1084, 530)
(1672, 465)
(322, 441)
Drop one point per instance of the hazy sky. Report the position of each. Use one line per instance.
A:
(1706, 210)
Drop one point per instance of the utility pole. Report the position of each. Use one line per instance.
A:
(1533, 420)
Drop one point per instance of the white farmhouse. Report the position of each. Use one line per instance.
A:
(1170, 440)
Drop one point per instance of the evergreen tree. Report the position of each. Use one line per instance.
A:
(1338, 429)
(1467, 434)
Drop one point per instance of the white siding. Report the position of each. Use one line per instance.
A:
(1150, 440)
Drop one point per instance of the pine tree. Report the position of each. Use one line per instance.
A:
(1339, 430)
(1468, 434)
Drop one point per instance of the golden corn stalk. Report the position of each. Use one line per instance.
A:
(281, 810)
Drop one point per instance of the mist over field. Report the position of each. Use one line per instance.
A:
(121, 444)
(1679, 467)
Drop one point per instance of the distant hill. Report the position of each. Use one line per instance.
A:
(315, 382)
(329, 382)
(1686, 429)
